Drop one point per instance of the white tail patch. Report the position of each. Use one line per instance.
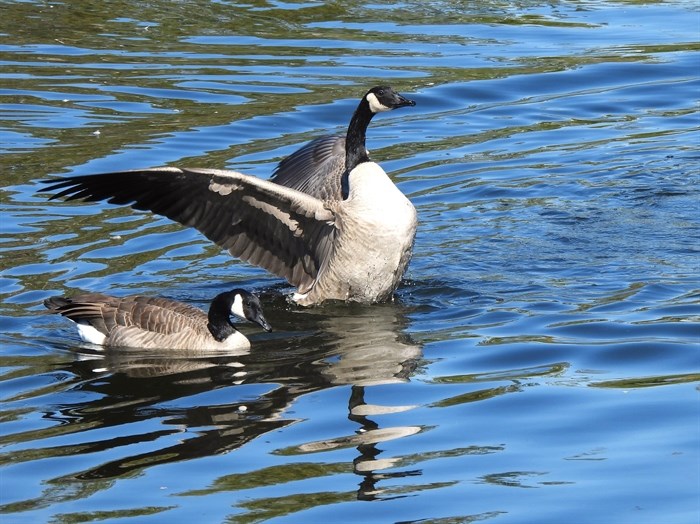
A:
(91, 335)
(237, 307)
(375, 105)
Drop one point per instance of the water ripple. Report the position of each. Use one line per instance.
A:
(541, 353)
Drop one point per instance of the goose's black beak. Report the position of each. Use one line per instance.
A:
(262, 322)
(402, 101)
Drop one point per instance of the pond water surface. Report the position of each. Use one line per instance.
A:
(539, 362)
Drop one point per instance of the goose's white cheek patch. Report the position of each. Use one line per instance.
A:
(90, 334)
(375, 105)
(237, 307)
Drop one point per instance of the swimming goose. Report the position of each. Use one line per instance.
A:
(354, 247)
(139, 321)
(317, 167)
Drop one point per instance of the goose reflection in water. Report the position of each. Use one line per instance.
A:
(310, 350)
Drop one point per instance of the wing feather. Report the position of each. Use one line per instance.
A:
(316, 168)
(108, 314)
(280, 229)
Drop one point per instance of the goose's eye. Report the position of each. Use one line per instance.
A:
(381, 92)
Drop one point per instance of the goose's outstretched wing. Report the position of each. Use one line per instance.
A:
(316, 168)
(285, 231)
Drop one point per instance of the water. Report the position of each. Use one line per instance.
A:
(540, 361)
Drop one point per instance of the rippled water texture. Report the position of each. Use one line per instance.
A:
(540, 361)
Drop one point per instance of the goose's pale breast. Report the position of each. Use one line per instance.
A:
(376, 230)
(187, 338)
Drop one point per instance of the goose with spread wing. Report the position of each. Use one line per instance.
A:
(346, 237)
(139, 321)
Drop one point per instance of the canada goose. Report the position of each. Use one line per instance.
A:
(352, 243)
(139, 321)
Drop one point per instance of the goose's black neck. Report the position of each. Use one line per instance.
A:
(219, 324)
(355, 150)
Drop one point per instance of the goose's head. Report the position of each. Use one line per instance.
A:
(238, 302)
(384, 98)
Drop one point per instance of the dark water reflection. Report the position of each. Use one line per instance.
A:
(539, 363)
